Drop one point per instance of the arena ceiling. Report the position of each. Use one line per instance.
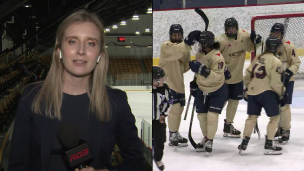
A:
(34, 22)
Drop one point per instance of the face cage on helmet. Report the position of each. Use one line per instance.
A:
(272, 49)
(232, 35)
(180, 41)
(282, 34)
(158, 80)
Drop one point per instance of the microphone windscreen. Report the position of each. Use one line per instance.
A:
(68, 135)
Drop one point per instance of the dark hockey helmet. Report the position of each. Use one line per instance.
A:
(158, 72)
(231, 22)
(278, 27)
(206, 39)
(272, 43)
(176, 28)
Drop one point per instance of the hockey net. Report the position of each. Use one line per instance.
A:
(294, 25)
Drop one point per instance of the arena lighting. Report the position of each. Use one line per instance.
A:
(149, 11)
(135, 17)
(107, 30)
(123, 23)
(128, 46)
(147, 30)
(137, 32)
(27, 6)
(114, 27)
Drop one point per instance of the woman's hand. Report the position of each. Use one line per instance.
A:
(90, 169)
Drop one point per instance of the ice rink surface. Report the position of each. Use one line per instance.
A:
(225, 156)
(141, 106)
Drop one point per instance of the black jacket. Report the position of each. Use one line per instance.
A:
(33, 137)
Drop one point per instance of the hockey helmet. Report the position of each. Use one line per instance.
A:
(176, 28)
(173, 29)
(278, 27)
(231, 22)
(158, 72)
(206, 39)
(272, 43)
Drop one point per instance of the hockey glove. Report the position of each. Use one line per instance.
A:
(227, 74)
(193, 88)
(283, 99)
(288, 75)
(199, 68)
(192, 37)
(246, 95)
(258, 39)
(253, 36)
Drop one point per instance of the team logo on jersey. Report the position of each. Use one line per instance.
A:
(229, 44)
(237, 54)
(288, 42)
(218, 54)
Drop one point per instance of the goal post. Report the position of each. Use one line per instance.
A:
(295, 32)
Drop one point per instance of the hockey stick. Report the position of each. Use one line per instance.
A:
(206, 20)
(188, 104)
(204, 16)
(256, 128)
(190, 128)
(283, 80)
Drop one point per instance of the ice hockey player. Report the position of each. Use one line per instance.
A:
(208, 88)
(233, 45)
(264, 90)
(287, 55)
(174, 59)
(162, 101)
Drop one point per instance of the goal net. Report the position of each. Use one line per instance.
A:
(294, 33)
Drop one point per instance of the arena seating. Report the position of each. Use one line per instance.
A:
(12, 80)
(148, 64)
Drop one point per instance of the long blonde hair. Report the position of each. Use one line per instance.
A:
(49, 97)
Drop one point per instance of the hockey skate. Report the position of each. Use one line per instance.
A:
(173, 139)
(270, 149)
(160, 165)
(242, 147)
(230, 131)
(182, 142)
(201, 146)
(208, 146)
(285, 136)
(278, 135)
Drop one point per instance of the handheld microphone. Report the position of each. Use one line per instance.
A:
(76, 152)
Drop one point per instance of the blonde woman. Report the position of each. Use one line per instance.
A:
(75, 91)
